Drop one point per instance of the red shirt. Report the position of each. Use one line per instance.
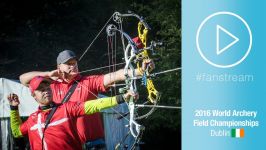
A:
(64, 119)
(89, 127)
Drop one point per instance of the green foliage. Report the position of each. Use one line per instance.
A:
(164, 17)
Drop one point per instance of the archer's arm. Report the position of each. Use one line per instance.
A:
(15, 120)
(94, 106)
(26, 77)
(119, 75)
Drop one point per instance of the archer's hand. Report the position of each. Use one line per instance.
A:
(65, 76)
(131, 94)
(13, 99)
(54, 74)
(148, 64)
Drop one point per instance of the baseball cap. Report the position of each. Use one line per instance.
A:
(36, 81)
(64, 56)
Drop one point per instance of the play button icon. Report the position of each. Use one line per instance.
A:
(222, 33)
(224, 39)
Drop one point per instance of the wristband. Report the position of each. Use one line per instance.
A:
(13, 107)
(120, 99)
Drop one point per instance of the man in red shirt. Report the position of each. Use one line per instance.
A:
(61, 132)
(90, 128)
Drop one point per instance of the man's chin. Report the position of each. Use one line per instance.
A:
(73, 74)
(46, 102)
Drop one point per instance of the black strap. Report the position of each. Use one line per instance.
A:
(66, 98)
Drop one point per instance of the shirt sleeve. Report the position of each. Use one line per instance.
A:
(77, 109)
(94, 106)
(15, 122)
(95, 83)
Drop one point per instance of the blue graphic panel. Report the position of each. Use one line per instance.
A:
(223, 75)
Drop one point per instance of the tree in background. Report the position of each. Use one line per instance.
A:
(164, 17)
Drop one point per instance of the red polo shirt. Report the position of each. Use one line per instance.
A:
(89, 127)
(60, 133)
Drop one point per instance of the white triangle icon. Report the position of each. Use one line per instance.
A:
(218, 49)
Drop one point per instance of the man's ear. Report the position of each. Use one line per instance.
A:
(58, 68)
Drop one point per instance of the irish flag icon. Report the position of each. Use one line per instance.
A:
(237, 133)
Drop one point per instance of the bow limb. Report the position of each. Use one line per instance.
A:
(153, 94)
(134, 127)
